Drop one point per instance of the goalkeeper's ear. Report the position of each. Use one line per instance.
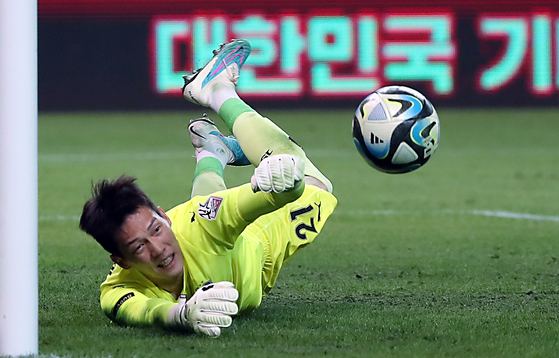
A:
(161, 212)
(120, 261)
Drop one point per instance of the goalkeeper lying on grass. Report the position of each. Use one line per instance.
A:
(215, 256)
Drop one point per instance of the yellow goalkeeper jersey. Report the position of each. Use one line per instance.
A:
(219, 245)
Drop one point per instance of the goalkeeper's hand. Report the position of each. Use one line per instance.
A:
(278, 173)
(208, 310)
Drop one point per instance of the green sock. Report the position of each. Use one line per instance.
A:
(231, 109)
(208, 177)
(209, 164)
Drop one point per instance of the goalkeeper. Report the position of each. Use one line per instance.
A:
(199, 264)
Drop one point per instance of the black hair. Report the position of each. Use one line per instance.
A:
(111, 203)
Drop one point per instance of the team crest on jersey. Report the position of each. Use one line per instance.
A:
(209, 209)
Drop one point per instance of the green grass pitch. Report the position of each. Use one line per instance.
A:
(457, 259)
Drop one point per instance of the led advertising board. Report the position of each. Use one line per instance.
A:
(474, 53)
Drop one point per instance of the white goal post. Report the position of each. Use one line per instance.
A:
(18, 179)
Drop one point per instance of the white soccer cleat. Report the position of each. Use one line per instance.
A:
(221, 72)
(206, 136)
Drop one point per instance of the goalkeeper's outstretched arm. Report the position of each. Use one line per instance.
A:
(206, 312)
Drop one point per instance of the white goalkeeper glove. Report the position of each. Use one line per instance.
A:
(278, 173)
(208, 310)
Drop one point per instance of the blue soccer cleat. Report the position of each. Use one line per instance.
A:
(205, 135)
(222, 71)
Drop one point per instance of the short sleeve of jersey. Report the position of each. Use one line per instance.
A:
(212, 223)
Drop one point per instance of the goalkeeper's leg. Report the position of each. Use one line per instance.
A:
(208, 177)
(259, 138)
(211, 158)
(214, 86)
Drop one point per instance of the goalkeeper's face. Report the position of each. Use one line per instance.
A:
(148, 244)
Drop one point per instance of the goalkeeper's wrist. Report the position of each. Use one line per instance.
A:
(173, 317)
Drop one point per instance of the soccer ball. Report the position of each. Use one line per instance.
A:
(396, 129)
